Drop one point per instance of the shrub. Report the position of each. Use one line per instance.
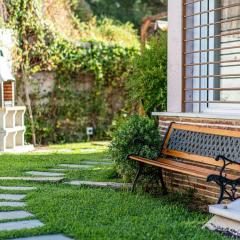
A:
(148, 82)
(124, 142)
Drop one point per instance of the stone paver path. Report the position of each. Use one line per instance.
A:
(35, 179)
(19, 225)
(46, 237)
(100, 184)
(15, 197)
(45, 174)
(11, 215)
(18, 217)
(17, 188)
(12, 204)
(76, 166)
(96, 163)
(60, 169)
(52, 175)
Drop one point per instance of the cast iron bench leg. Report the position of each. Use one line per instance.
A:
(162, 182)
(140, 169)
(221, 194)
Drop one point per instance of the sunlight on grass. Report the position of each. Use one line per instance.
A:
(93, 213)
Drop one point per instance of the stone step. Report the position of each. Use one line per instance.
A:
(11, 215)
(12, 204)
(230, 211)
(224, 225)
(19, 225)
(60, 169)
(45, 174)
(75, 166)
(35, 179)
(45, 237)
(17, 188)
(96, 163)
(15, 197)
(99, 184)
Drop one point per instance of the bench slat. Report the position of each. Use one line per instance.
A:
(184, 168)
(200, 159)
(201, 129)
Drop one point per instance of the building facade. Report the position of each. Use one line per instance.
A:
(203, 73)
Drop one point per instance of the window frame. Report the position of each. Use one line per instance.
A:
(192, 101)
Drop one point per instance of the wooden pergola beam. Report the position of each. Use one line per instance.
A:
(147, 22)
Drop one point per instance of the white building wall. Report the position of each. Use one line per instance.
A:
(174, 56)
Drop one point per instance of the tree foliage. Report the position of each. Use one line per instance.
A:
(40, 48)
(127, 10)
(148, 82)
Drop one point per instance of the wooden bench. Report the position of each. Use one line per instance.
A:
(208, 153)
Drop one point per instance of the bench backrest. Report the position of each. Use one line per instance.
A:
(202, 144)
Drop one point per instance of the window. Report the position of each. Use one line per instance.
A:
(211, 51)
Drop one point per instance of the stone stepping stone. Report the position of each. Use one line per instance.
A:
(19, 225)
(35, 179)
(89, 150)
(76, 166)
(12, 204)
(17, 188)
(97, 163)
(9, 215)
(45, 174)
(60, 169)
(46, 237)
(65, 169)
(15, 197)
(100, 184)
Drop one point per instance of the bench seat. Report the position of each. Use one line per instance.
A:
(180, 167)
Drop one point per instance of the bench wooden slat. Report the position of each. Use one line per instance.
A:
(201, 129)
(180, 167)
(197, 158)
(193, 168)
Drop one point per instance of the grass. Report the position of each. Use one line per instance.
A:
(91, 213)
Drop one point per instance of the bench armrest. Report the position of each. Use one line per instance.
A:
(226, 162)
(223, 158)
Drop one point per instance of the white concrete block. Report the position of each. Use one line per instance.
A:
(45, 174)
(231, 210)
(15, 197)
(14, 215)
(19, 225)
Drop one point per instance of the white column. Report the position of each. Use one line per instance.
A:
(174, 56)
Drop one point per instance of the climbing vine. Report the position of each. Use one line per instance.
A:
(68, 110)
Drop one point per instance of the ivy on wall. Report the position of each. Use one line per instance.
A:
(69, 110)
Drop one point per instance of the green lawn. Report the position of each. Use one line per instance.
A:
(89, 213)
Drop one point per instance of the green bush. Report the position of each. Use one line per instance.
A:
(124, 142)
(148, 82)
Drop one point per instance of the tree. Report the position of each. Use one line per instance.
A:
(127, 10)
